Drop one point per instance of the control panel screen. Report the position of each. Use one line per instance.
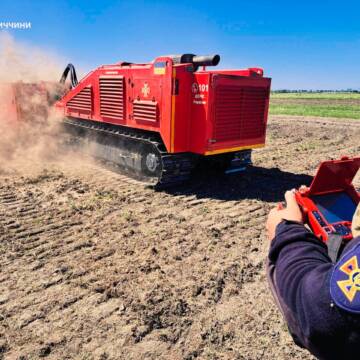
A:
(335, 207)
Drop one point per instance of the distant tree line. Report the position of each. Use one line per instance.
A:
(282, 91)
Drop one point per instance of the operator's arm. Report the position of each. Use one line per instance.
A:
(302, 273)
(297, 253)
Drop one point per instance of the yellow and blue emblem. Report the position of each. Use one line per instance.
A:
(160, 68)
(345, 281)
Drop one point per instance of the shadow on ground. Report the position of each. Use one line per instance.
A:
(264, 184)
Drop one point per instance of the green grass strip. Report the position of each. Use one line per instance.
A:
(316, 96)
(337, 111)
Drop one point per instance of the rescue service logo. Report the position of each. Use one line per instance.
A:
(146, 90)
(350, 286)
(345, 282)
(195, 88)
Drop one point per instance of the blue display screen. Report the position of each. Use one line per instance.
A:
(335, 207)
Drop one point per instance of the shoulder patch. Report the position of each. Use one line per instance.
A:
(345, 281)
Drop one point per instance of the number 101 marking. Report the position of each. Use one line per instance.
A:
(203, 87)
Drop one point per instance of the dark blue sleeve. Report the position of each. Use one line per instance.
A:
(303, 271)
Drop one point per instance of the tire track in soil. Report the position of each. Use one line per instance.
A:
(95, 265)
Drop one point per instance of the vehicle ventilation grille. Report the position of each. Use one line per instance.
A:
(82, 102)
(239, 112)
(145, 110)
(112, 97)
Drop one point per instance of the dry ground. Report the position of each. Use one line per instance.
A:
(95, 266)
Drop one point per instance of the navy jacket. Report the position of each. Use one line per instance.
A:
(303, 271)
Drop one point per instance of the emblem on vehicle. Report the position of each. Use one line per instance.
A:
(195, 88)
(145, 90)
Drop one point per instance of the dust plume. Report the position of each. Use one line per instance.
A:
(29, 126)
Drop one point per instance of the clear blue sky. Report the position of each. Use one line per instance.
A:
(300, 44)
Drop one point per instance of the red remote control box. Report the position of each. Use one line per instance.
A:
(329, 204)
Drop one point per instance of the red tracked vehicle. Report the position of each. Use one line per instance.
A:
(159, 119)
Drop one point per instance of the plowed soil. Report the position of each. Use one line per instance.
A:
(96, 266)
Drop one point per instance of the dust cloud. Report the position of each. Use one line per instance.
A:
(29, 126)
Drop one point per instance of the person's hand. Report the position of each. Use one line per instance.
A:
(355, 227)
(291, 212)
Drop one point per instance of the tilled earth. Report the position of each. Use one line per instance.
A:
(96, 266)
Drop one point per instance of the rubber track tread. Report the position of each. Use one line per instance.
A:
(176, 168)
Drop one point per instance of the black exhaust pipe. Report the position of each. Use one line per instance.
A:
(196, 60)
(206, 60)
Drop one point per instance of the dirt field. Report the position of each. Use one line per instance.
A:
(95, 266)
